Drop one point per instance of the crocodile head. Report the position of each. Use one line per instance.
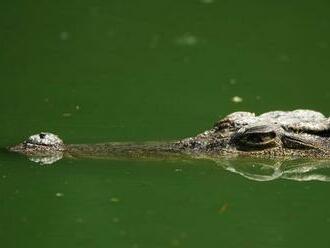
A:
(302, 133)
(42, 144)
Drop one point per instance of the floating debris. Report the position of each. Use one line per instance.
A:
(114, 199)
(77, 107)
(223, 208)
(237, 99)
(187, 40)
(59, 194)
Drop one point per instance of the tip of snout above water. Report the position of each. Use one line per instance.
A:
(14, 148)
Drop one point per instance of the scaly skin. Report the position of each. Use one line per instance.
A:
(299, 133)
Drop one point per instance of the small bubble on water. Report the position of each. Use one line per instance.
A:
(237, 99)
(59, 194)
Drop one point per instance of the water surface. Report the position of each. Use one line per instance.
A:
(98, 71)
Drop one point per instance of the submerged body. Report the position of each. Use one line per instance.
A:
(298, 133)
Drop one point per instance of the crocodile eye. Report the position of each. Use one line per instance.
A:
(259, 138)
(42, 135)
(255, 138)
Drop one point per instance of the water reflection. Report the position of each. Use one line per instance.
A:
(46, 160)
(271, 169)
(255, 169)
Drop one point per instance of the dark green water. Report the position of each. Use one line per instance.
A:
(96, 71)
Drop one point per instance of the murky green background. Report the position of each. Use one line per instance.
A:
(95, 71)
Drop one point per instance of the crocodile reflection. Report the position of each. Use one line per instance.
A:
(270, 169)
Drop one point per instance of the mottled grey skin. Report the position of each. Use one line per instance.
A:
(299, 133)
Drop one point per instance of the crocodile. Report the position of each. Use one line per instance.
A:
(294, 134)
